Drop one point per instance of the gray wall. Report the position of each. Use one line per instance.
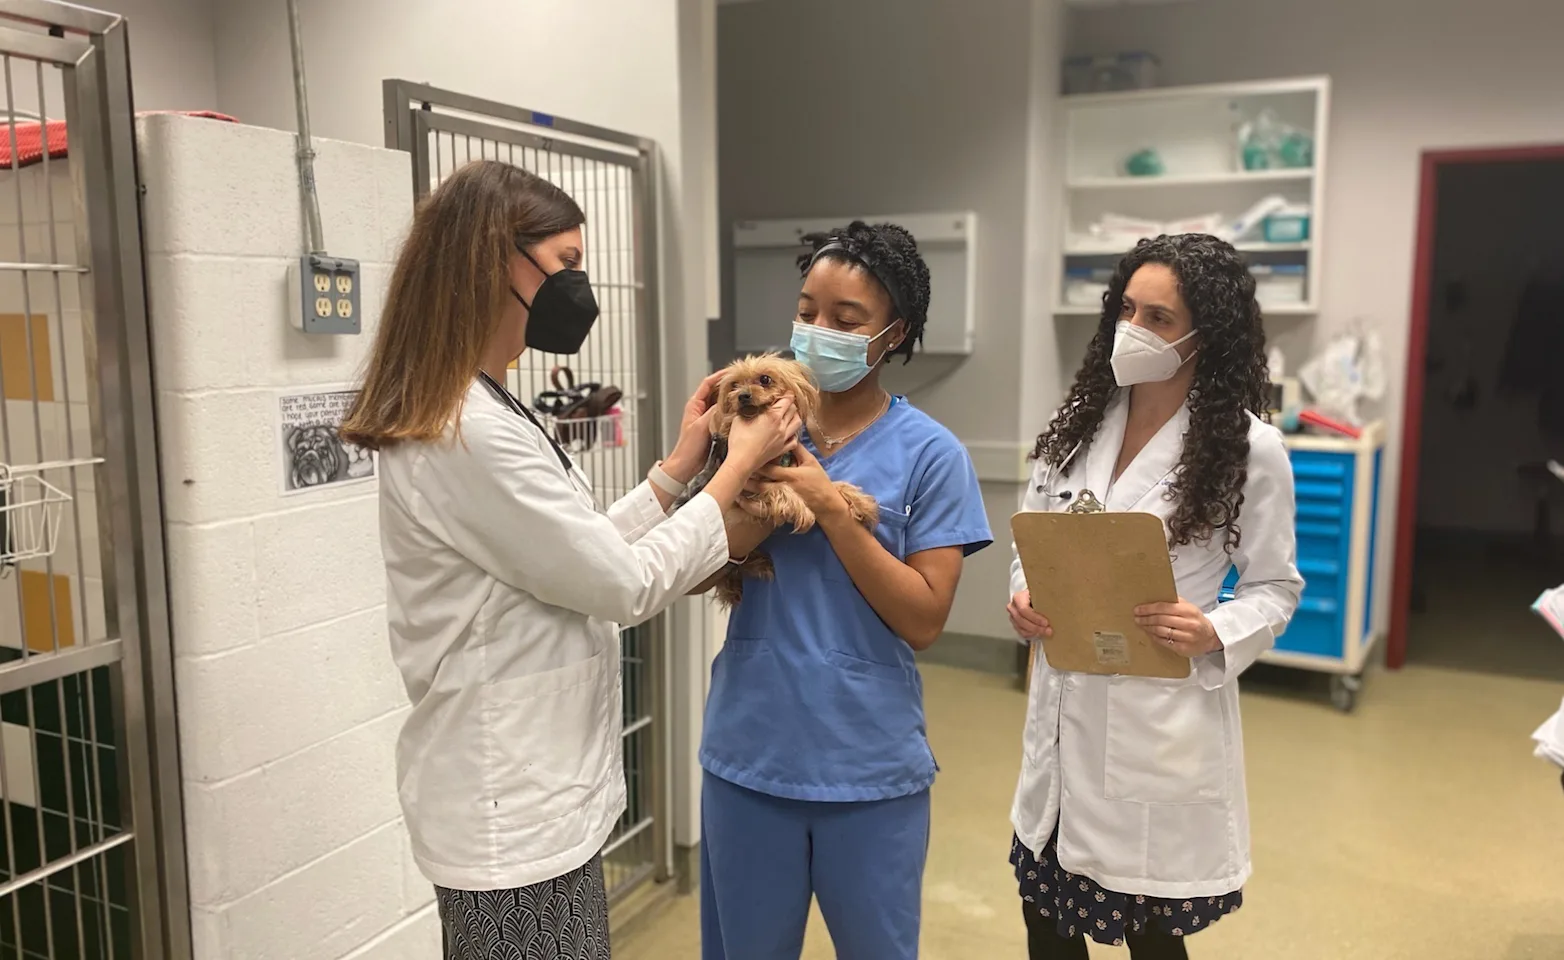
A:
(889, 106)
(903, 106)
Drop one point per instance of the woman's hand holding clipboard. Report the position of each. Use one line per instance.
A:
(1089, 572)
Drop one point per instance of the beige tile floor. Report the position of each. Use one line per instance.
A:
(1419, 827)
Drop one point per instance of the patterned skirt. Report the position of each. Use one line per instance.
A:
(1078, 905)
(561, 919)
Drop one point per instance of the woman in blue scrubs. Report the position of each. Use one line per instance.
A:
(817, 765)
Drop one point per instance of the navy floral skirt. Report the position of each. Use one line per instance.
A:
(1077, 905)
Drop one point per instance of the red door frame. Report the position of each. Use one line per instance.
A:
(1417, 350)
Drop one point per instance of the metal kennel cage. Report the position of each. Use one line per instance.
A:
(610, 175)
(92, 861)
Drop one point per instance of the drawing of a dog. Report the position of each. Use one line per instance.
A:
(318, 456)
(747, 389)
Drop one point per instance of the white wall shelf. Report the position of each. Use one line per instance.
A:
(1194, 131)
(1081, 248)
(1274, 310)
(1166, 181)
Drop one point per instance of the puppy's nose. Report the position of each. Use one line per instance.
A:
(746, 399)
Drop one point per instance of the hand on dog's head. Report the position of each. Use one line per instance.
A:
(750, 386)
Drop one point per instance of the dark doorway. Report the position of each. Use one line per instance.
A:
(1487, 518)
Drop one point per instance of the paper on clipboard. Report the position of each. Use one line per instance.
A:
(1087, 573)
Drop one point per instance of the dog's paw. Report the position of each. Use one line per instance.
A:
(863, 507)
(787, 509)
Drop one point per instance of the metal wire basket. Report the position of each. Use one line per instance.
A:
(31, 509)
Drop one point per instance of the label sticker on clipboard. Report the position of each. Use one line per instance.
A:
(1113, 649)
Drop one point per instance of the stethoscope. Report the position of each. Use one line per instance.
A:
(1084, 502)
(500, 393)
(1053, 473)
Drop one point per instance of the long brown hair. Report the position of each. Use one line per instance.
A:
(449, 289)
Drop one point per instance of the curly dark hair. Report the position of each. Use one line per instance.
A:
(1231, 380)
(888, 253)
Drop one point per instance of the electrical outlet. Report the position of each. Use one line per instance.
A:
(328, 300)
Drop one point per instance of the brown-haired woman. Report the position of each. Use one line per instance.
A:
(504, 582)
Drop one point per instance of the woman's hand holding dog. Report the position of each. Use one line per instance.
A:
(751, 445)
(762, 439)
(694, 443)
(810, 481)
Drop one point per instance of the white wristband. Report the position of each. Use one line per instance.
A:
(659, 478)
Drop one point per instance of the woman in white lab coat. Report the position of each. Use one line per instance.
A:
(1131, 824)
(504, 581)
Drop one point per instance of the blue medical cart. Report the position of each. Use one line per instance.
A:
(1334, 630)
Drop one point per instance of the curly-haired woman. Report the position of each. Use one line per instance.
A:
(817, 766)
(1131, 824)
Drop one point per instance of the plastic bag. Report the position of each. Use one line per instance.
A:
(1349, 370)
(1266, 143)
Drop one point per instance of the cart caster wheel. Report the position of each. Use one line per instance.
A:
(1344, 691)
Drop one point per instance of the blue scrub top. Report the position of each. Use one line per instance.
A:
(813, 697)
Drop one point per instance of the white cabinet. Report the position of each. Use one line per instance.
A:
(1206, 184)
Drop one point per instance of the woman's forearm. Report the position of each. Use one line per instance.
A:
(745, 535)
(681, 468)
(901, 596)
(728, 483)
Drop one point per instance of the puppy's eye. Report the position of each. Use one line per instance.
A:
(765, 381)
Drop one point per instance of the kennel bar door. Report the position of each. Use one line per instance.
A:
(92, 861)
(615, 443)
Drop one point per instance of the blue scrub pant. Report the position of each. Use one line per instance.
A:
(762, 857)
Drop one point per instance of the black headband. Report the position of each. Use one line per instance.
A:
(855, 252)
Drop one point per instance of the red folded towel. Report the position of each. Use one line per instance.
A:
(30, 137)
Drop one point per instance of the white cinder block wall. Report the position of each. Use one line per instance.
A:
(287, 699)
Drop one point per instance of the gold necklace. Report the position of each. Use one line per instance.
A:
(838, 441)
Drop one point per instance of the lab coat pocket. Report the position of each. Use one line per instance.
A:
(549, 737)
(1166, 742)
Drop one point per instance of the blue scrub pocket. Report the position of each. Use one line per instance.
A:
(892, 534)
(893, 672)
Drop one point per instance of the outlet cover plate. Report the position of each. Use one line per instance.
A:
(329, 295)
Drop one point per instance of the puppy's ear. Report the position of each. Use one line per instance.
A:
(806, 396)
(726, 403)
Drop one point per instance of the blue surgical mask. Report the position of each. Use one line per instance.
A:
(838, 360)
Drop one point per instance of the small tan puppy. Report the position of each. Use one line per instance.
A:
(747, 388)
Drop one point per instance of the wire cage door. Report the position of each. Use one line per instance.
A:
(91, 843)
(601, 404)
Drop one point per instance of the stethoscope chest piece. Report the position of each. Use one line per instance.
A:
(1086, 502)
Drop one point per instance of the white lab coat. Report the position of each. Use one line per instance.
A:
(1145, 778)
(505, 586)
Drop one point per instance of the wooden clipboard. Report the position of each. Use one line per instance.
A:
(1087, 573)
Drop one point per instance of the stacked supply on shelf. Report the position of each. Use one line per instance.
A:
(1273, 221)
(1272, 225)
